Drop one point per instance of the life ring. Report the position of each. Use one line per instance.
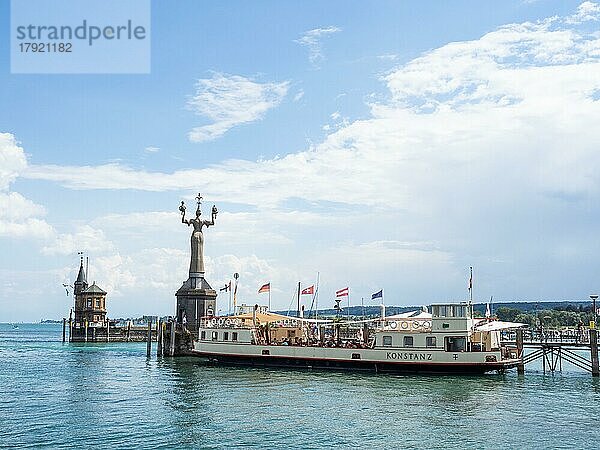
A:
(221, 322)
(228, 322)
(556, 333)
(294, 323)
(393, 325)
(213, 322)
(427, 324)
(415, 324)
(237, 322)
(404, 325)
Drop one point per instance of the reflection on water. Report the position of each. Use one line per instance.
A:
(110, 395)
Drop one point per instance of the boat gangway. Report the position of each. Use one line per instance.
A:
(553, 346)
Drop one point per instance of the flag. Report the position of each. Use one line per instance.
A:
(377, 295)
(265, 288)
(225, 288)
(342, 292)
(308, 291)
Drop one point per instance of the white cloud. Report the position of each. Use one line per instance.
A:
(312, 40)
(231, 100)
(152, 149)
(299, 95)
(587, 11)
(12, 160)
(19, 216)
(85, 238)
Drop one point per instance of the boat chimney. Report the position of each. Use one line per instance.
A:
(382, 311)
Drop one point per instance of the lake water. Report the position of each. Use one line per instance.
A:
(57, 395)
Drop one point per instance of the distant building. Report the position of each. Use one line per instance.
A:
(90, 301)
(90, 323)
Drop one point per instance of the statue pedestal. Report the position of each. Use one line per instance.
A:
(195, 299)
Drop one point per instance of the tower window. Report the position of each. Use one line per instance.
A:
(97, 303)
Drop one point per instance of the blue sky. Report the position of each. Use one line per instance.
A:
(385, 145)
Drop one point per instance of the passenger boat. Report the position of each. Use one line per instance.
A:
(447, 340)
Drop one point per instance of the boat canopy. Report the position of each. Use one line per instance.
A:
(499, 325)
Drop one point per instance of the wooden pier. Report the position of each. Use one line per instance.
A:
(553, 346)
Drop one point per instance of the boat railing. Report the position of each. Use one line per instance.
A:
(225, 322)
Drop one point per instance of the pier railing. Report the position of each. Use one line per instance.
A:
(553, 346)
(567, 336)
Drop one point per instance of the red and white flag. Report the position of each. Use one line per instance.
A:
(265, 288)
(342, 293)
(308, 291)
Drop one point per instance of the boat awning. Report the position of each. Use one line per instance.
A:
(499, 325)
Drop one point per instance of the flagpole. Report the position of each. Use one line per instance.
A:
(348, 314)
(229, 303)
(317, 297)
(471, 294)
(298, 313)
(269, 296)
(362, 305)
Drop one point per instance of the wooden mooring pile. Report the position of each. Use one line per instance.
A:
(553, 346)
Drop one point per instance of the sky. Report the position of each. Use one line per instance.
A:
(381, 145)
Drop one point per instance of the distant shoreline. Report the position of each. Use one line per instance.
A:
(375, 310)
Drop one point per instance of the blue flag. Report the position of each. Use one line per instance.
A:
(377, 295)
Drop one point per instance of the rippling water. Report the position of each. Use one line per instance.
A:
(58, 395)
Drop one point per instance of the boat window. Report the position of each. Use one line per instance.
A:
(215, 335)
(408, 341)
(430, 341)
(97, 303)
(234, 336)
(460, 311)
(203, 335)
(265, 352)
(226, 336)
(387, 341)
(456, 343)
(355, 355)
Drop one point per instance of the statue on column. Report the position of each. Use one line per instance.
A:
(197, 239)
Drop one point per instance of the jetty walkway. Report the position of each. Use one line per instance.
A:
(553, 346)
